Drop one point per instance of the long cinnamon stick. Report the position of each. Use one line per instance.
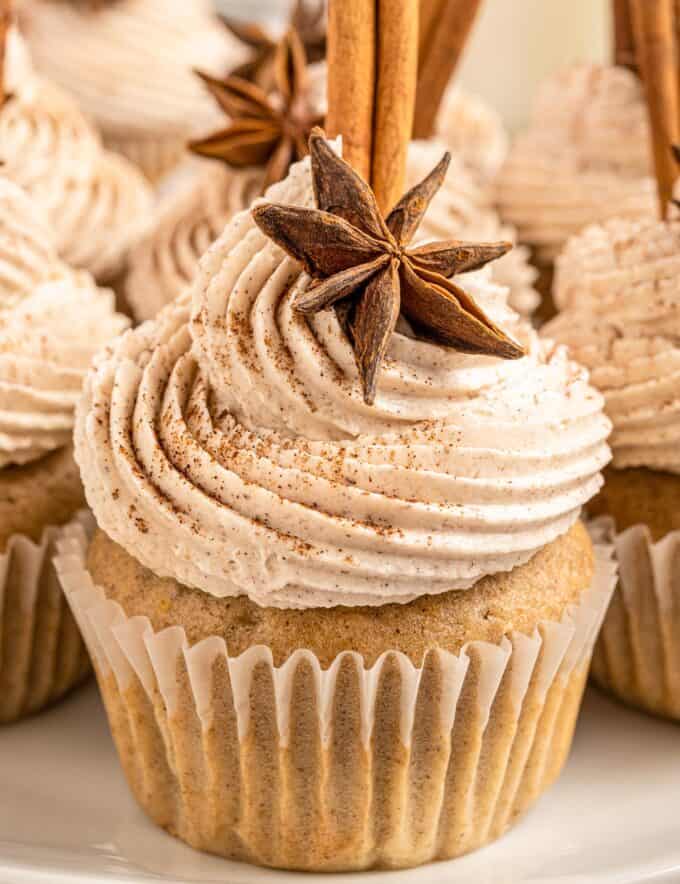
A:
(397, 56)
(622, 30)
(443, 46)
(352, 47)
(654, 32)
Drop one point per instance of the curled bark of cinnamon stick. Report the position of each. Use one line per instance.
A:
(654, 32)
(448, 27)
(352, 47)
(622, 31)
(395, 93)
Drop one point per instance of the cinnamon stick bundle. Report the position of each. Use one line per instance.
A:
(372, 69)
(445, 27)
(656, 53)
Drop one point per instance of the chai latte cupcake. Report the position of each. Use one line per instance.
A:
(337, 615)
(129, 65)
(619, 284)
(95, 201)
(585, 157)
(52, 320)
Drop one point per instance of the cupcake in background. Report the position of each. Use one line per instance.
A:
(620, 286)
(96, 202)
(309, 594)
(229, 175)
(52, 321)
(585, 157)
(128, 63)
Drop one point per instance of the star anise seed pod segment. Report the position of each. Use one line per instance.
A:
(355, 255)
(268, 130)
(307, 18)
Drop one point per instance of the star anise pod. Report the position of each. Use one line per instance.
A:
(307, 18)
(266, 129)
(356, 256)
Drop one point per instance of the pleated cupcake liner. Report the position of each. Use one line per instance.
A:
(42, 654)
(155, 157)
(348, 767)
(637, 657)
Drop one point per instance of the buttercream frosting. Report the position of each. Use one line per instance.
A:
(585, 157)
(130, 63)
(620, 283)
(474, 131)
(52, 321)
(96, 202)
(227, 443)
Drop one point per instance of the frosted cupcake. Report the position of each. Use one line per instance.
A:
(585, 157)
(619, 283)
(192, 217)
(52, 321)
(307, 603)
(129, 65)
(95, 201)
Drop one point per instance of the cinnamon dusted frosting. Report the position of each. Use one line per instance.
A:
(585, 157)
(227, 443)
(52, 321)
(462, 209)
(473, 130)
(96, 202)
(130, 63)
(621, 285)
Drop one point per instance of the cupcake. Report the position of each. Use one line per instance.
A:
(333, 606)
(229, 176)
(129, 65)
(52, 320)
(619, 284)
(96, 202)
(585, 157)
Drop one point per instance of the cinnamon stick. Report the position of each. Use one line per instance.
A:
(448, 29)
(397, 66)
(6, 15)
(654, 33)
(624, 46)
(352, 48)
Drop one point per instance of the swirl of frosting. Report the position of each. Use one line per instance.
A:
(96, 202)
(147, 49)
(52, 321)
(584, 158)
(473, 130)
(620, 284)
(229, 445)
(462, 209)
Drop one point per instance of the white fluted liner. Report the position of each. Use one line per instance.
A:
(42, 655)
(637, 657)
(346, 767)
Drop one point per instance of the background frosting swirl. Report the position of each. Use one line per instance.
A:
(621, 285)
(227, 443)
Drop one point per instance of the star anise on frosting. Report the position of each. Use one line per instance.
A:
(307, 18)
(266, 129)
(361, 263)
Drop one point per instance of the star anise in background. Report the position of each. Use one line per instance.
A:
(308, 18)
(266, 129)
(356, 256)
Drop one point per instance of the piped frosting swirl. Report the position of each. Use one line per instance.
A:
(584, 158)
(620, 285)
(227, 443)
(52, 321)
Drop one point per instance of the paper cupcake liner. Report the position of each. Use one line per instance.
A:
(341, 768)
(637, 657)
(42, 655)
(155, 157)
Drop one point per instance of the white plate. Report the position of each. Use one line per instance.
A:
(66, 814)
